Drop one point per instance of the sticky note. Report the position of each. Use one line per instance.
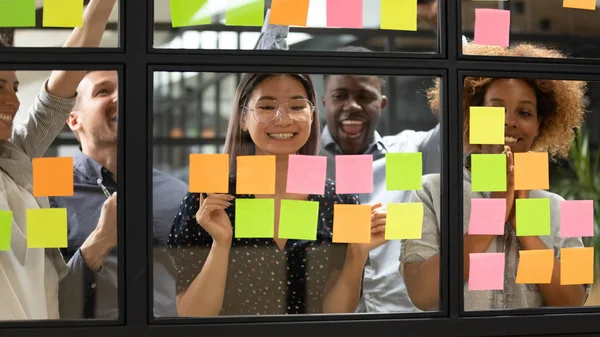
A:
(535, 266)
(486, 271)
(488, 172)
(354, 173)
(190, 13)
(306, 174)
(492, 27)
(317, 13)
(486, 125)
(17, 13)
(403, 171)
(47, 228)
(404, 221)
(345, 13)
(245, 13)
(6, 219)
(52, 176)
(62, 13)
(487, 216)
(398, 15)
(209, 173)
(351, 223)
(576, 218)
(255, 175)
(533, 217)
(254, 218)
(289, 12)
(532, 171)
(576, 266)
(580, 4)
(298, 219)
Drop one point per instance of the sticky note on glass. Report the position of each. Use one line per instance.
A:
(62, 13)
(245, 13)
(404, 221)
(487, 216)
(403, 171)
(398, 15)
(289, 12)
(209, 173)
(576, 266)
(488, 172)
(354, 173)
(47, 228)
(531, 171)
(580, 4)
(492, 27)
(17, 13)
(306, 174)
(576, 218)
(317, 13)
(254, 218)
(6, 219)
(351, 223)
(190, 13)
(533, 217)
(535, 266)
(345, 13)
(486, 271)
(52, 176)
(255, 175)
(298, 220)
(486, 125)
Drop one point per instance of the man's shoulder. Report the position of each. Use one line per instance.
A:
(164, 180)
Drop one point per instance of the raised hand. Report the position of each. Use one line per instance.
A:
(212, 217)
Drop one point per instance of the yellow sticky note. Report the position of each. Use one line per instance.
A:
(47, 228)
(62, 13)
(399, 15)
(351, 223)
(576, 266)
(404, 221)
(532, 171)
(255, 175)
(580, 4)
(486, 125)
(535, 266)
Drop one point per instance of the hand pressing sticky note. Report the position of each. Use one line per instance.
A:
(531, 171)
(6, 219)
(488, 172)
(576, 218)
(345, 13)
(186, 13)
(576, 266)
(17, 13)
(298, 220)
(354, 173)
(255, 175)
(52, 176)
(62, 13)
(486, 125)
(533, 217)
(254, 218)
(398, 15)
(209, 173)
(404, 221)
(403, 171)
(289, 12)
(306, 174)
(535, 266)
(351, 223)
(487, 216)
(486, 271)
(47, 228)
(492, 27)
(580, 4)
(245, 13)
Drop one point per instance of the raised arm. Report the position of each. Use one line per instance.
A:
(272, 37)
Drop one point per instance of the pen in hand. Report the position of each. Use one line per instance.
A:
(106, 193)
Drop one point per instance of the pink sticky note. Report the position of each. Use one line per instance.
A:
(487, 216)
(345, 13)
(492, 27)
(354, 173)
(306, 174)
(486, 271)
(576, 218)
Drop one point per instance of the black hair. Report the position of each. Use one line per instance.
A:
(354, 49)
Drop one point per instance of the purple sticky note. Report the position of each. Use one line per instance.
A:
(492, 27)
(354, 173)
(576, 218)
(345, 13)
(487, 216)
(486, 271)
(306, 174)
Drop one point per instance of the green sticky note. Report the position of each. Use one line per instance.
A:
(245, 13)
(488, 172)
(63, 13)
(404, 221)
(298, 220)
(47, 228)
(186, 13)
(533, 217)
(17, 13)
(403, 171)
(399, 15)
(254, 218)
(486, 125)
(6, 218)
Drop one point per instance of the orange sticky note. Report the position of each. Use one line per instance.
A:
(535, 266)
(209, 173)
(351, 223)
(255, 175)
(289, 12)
(580, 4)
(52, 177)
(531, 171)
(576, 265)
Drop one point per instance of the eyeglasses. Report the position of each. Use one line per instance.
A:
(267, 110)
